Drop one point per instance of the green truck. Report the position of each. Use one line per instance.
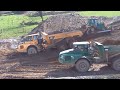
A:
(84, 54)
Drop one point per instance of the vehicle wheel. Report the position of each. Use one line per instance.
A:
(82, 65)
(116, 65)
(31, 51)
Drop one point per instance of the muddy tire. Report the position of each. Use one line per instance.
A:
(116, 65)
(32, 51)
(82, 65)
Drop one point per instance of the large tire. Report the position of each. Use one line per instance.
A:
(116, 65)
(82, 65)
(32, 51)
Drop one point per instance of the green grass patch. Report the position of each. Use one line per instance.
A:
(100, 13)
(16, 32)
(10, 25)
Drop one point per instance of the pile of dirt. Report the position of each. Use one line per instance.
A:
(8, 44)
(66, 22)
(5, 45)
(61, 23)
(111, 42)
(4, 53)
(114, 23)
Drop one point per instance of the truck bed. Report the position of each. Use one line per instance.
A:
(114, 49)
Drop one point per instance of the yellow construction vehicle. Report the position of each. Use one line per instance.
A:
(30, 43)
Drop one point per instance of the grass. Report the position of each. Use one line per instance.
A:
(100, 13)
(10, 25)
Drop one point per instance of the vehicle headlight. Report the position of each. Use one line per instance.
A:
(21, 47)
(72, 57)
(62, 57)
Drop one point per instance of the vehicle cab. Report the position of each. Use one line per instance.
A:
(94, 52)
(79, 50)
(96, 23)
(27, 41)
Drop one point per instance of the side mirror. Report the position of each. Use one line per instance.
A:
(90, 50)
(106, 49)
(44, 42)
(75, 47)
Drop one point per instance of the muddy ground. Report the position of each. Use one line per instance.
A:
(21, 66)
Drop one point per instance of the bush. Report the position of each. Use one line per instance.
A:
(31, 23)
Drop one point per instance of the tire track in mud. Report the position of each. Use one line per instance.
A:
(14, 68)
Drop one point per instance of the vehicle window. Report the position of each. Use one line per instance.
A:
(86, 46)
(28, 38)
(35, 37)
(81, 48)
(75, 47)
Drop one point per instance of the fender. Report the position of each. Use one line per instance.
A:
(33, 46)
(84, 57)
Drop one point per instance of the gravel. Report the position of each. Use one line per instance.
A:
(61, 23)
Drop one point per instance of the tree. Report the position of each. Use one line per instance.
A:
(40, 14)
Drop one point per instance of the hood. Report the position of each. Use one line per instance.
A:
(67, 51)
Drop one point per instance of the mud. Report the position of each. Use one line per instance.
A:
(22, 66)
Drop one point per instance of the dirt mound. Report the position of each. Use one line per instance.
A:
(5, 45)
(8, 44)
(65, 23)
(114, 23)
(61, 23)
(111, 42)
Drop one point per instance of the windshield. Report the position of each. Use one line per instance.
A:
(29, 38)
(35, 37)
(81, 47)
